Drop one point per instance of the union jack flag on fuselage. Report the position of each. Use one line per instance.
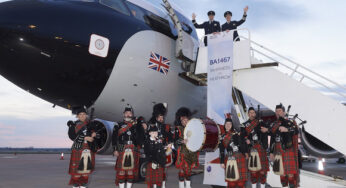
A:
(159, 63)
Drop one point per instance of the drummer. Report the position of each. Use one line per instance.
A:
(233, 155)
(164, 133)
(186, 160)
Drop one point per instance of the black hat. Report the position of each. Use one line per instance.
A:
(183, 111)
(140, 120)
(227, 12)
(228, 120)
(211, 13)
(128, 108)
(280, 106)
(80, 110)
(159, 110)
(153, 128)
(251, 108)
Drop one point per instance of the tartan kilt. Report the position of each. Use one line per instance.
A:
(118, 164)
(75, 159)
(186, 159)
(263, 157)
(242, 166)
(154, 176)
(290, 159)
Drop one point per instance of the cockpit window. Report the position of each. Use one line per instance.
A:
(117, 5)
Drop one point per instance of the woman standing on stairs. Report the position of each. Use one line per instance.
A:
(233, 155)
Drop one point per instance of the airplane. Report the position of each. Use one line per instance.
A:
(101, 54)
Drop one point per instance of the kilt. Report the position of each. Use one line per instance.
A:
(290, 159)
(154, 176)
(186, 160)
(122, 174)
(263, 157)
(242, 167)
(185, 157)
(75, 159)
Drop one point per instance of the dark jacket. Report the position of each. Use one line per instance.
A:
(155, 152)
(120, 137)
(209, 27)
(78, 137)
(236, 140)
(233, 25)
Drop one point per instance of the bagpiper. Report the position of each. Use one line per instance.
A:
(284, 148)
(82, 161)
(164, 133)
(155, 154)
(186, 160)
(126, 140)
(233, 154)
(256, 135)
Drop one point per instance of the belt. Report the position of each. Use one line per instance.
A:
(128, 143)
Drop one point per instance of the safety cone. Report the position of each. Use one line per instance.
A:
(62, 156)
(321, 163)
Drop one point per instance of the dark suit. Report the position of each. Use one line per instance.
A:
(208, 26)
(233, 25)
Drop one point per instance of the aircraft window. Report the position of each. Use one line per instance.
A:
(117, 5)
(136, 11)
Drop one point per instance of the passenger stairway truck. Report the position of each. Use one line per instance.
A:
(314, 97)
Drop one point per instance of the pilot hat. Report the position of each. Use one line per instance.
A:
(211, 12)
(226, 13)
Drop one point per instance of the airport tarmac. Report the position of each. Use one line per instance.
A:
(48, 171)
(331, 168)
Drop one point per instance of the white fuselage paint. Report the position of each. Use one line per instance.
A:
(132, 82)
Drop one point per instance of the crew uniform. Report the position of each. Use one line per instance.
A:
(82, 161)
(284, 146)
(209, 27)
(186, 160)
(258, 164)
(233, 25)
(155, 153)
(126, 139)
(235, 157)
(164, 134)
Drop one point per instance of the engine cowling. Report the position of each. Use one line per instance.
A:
(104, 134)
(316, 147)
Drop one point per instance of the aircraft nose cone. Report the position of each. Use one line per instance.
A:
(18, 25)
(44, 49)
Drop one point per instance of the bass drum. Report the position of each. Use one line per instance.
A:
(202, 135)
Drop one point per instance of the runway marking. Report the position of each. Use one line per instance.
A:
(9, 157)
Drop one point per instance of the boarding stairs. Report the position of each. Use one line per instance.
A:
(271, 78)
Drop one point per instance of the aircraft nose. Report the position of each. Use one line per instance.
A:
(44, 50)
(44, 47)
(17, 24)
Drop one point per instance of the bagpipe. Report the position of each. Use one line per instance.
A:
(86, 131)
(289, 122)
(261, 137)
